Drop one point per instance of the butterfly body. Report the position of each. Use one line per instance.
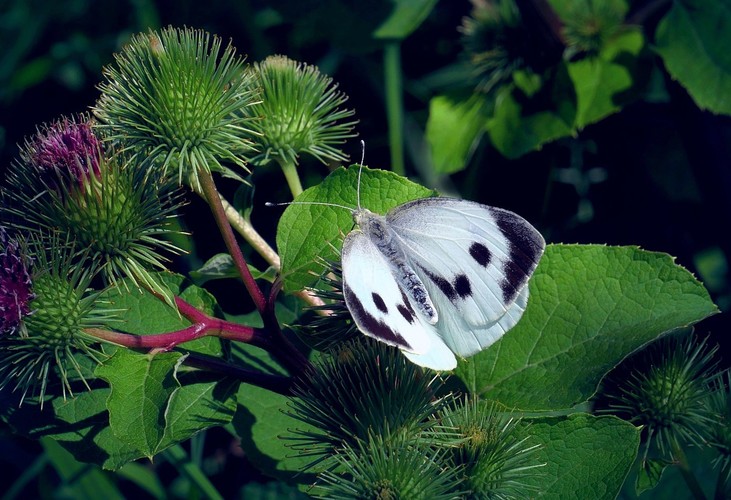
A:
(439, 277)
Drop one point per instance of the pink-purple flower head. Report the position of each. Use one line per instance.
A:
(15, 285)
(67, 147)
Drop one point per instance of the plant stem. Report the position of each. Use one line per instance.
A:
(245, 229)
(293, 179)
(276, 383)
(219, 214)
(723, 476)
(394, 103)
(690, 480)
(178, 457)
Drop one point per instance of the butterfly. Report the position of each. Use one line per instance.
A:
(438, 277)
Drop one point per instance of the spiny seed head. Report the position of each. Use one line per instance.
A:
(589, 25)
(665, 391)
(110, 206)
(52, 345)
(498, 42)
(494, 454)
(175, 98)
(395, 467)
(300, 112)
(719, 430)
(370, 387)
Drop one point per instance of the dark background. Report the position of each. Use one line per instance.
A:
(657, 174)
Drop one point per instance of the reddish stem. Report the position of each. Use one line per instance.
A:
(219, 214)
(203, 325)
(270, 339)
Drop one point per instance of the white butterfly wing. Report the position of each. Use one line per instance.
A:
(381, 309)
(475, 262)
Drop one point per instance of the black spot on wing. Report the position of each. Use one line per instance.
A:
(380, 304)
(480, 253)
(406, 310)
(526, 247)
(370, 324)
(443, 284)
(462, 286)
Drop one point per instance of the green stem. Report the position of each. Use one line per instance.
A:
(177, 456)
(219, 214)
(293, 179)
(394, 104)
(723, 476)
(690, 480)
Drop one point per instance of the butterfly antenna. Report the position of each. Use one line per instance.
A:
(270, 204)
(360, 169)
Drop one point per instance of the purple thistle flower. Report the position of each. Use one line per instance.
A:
(15, 285)
(66, 147)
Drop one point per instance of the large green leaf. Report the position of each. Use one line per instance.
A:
(522, 123)
(142, 386)
(407, 15)
(309, 232)
(600, 81)
(80, 424)
(694, 39)
(590, 306)
(264, 424)
(80, 481)
(584, 456)
(453, 130)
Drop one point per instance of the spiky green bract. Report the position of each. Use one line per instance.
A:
(719, 430)
(174, 98)
(361, 387)
(393, 468)
(589, 25)
(325, 331)
(118, 212)
(494, 458)
(300, 112)
(498, 43)
(666, 392)
(52, 348)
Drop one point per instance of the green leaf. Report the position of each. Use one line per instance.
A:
(80, 424)
(307, 233)
(145, 478)
(407, 15)
(202, 401)
(590, 306)
(693, 40)
(600, 81)
(265, 426)
(263, 423)
(521, 123)
(453, 130)
(221, 266)
(584, 456)
(79, 480)
(650, 474)
(142, 386)
(167, 405)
